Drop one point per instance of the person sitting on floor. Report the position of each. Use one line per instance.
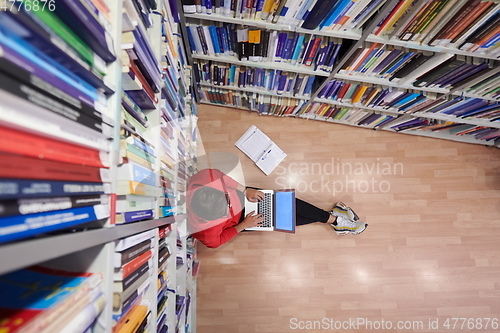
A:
(215, 205)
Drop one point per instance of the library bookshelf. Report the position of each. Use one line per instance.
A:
(100, 89)
(422, 67)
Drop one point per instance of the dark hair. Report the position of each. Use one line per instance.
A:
(208, 203)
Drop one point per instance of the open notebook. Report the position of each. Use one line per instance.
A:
(261, 149)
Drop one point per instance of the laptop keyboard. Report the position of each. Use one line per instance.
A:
(266, 207)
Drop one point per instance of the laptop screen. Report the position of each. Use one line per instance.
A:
(284, 211)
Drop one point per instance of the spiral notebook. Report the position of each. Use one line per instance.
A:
(261, 149)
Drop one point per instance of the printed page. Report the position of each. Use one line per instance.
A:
(271, 159)
(253, 143)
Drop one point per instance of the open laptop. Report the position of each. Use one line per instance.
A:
(278, 208)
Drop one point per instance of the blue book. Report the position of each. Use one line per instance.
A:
(281, 83)
(399, 63)
(140, 215)
(215, 39)
(26, 188)
(222, 45)
(378, 99)
(303, 10)
(344, 10)
(225, 40)
(326, 88)
(166, 211)
(332, 60)
(232, 72)
(289, 47)
(28, 52)
(298, 47)
(192, 45)
(464, 106)
(309, 84)
(476, 112)
(282, 38)
(336, 95)
(320, 11)
(415, 102)
(334, 13)
(270, 82)
(324, 53)
(23, 226)
(405, 100)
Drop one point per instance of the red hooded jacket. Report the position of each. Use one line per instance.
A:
(217, 232)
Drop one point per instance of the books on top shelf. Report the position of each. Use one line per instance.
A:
(58, 298)
(306, 14)
(466, 25)
(258, 45)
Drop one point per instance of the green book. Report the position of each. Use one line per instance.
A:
(49, 19)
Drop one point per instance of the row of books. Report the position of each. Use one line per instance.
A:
(488, 87)
(467, 25)
(264, 104)
(307, 14)
(54, 123)
(63, 301)
(270, 80)
(378, 97)
(417, 68)
(133, 267)
(316, 52)
(380, 120)
(165, 290)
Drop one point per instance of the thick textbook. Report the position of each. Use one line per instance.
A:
(15, 166)
(23, 143)
(27, 309)
(41, 205)
(23, 226)
(28, 188)
(261, 149)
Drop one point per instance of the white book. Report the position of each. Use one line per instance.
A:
(435, 61)
(131, 203)
(125, 243)
(22, 114)
(311, 6)
(87, 316)
(358, 60)
(299, 13)
(260, 149)
(208, 38)
(196, 38)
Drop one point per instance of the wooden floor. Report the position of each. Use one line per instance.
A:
(431, 252)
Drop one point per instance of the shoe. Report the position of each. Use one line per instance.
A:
(341, 209)
(343, 226)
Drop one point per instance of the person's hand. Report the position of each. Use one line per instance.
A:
(254, 195)
(250, 221)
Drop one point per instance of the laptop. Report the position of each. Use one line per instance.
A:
(278, 208)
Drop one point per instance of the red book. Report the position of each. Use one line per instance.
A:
(343, 91)
(145, 85)
(131, 266)
(22, 143)
(309, 58)
(16, 166)
(389, 17)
